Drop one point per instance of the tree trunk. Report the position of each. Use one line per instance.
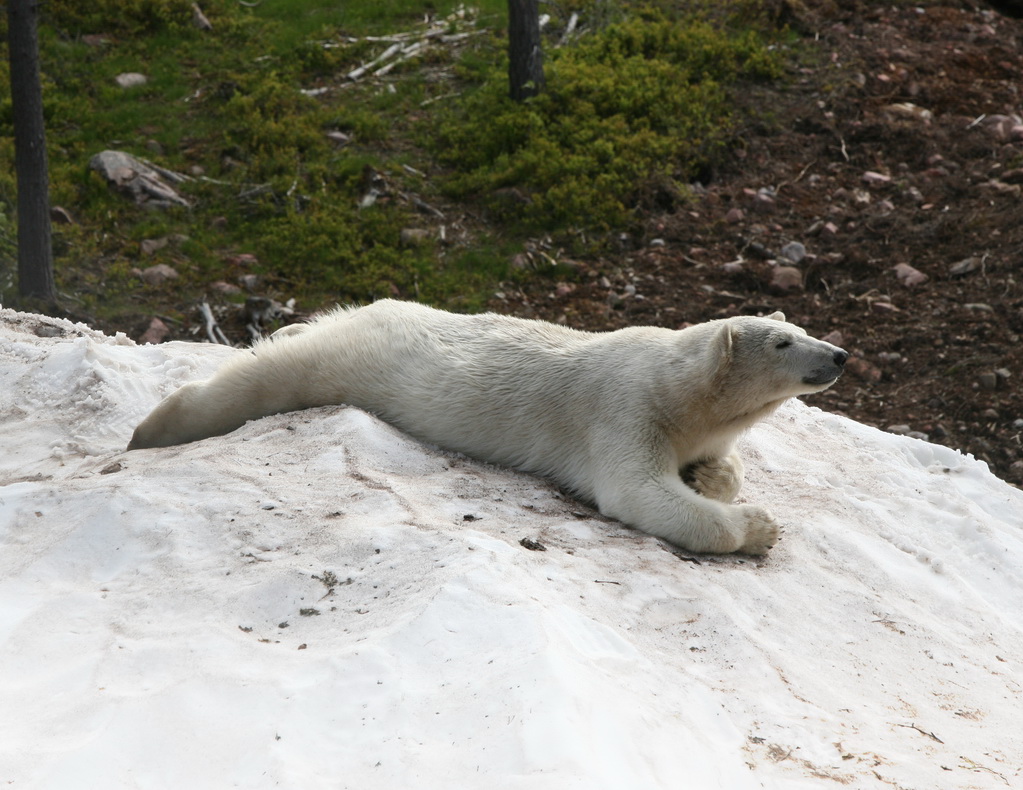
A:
(525, 58)
(35, 253)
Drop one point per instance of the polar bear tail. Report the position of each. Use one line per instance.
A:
(244, 389)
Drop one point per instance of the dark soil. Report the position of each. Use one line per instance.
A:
(897, 142)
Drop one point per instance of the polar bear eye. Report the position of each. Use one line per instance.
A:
(784, 344)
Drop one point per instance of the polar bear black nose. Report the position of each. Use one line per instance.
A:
(840, 357)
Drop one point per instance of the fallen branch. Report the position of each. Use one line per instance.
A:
(930, 735)
(409, 44)
(213, 332)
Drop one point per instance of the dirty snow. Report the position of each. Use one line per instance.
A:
(318, 601)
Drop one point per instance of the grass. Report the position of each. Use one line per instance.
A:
(641, 98)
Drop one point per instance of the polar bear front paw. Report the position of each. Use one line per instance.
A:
(761, 530)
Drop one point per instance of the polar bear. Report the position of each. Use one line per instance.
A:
(641, 422)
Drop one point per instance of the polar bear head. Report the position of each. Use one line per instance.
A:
(766, 360)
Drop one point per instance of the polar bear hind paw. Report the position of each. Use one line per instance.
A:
(715, 478)
(761, 530)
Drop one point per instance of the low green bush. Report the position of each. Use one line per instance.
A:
(644, 100)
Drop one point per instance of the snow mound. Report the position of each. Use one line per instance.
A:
(317, 600)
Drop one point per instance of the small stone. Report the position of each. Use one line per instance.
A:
(786, 279)
(413, 237)
(758, 250)
(1003, 374)
(909, 111)
(902, 430)
(338, 138)
(156, 333)
(830, 228)
(158, 275)
(250, 282)
(979, 307)
(909, 276)
(876, 179)
(965, 266)
(880, 306)
(863, 370)
(1000, 126)
(225, 289)
(149, 246)
(988, 380)
(242, 260)
(991, 414)
(520, 262)
(793, 251)
(735, 216)
(657, 243)
(1001, 187)
(835, 338)
(131, 79)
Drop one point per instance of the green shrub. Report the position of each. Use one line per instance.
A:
(644, 100)
(116, 16)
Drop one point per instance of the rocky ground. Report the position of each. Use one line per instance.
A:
(878, 204)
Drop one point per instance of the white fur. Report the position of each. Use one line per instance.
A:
(621, 419)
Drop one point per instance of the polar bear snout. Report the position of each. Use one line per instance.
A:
(827, 373)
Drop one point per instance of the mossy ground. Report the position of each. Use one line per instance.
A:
(636, 104)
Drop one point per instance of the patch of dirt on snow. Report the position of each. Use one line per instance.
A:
(898, 143)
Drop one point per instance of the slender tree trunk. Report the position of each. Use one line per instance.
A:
(35, 253)
(525, 58)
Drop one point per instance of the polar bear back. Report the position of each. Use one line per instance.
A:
(524, 394)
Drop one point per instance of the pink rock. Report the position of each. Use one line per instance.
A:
(876, 179)
(734, 216)
(156, 333)
(786, 279)
(227, 289)
(863, 370)
(243, 259)
(158, 275)
(909, 276)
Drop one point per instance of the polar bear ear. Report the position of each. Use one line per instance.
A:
(724, 342)
(778, 316)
